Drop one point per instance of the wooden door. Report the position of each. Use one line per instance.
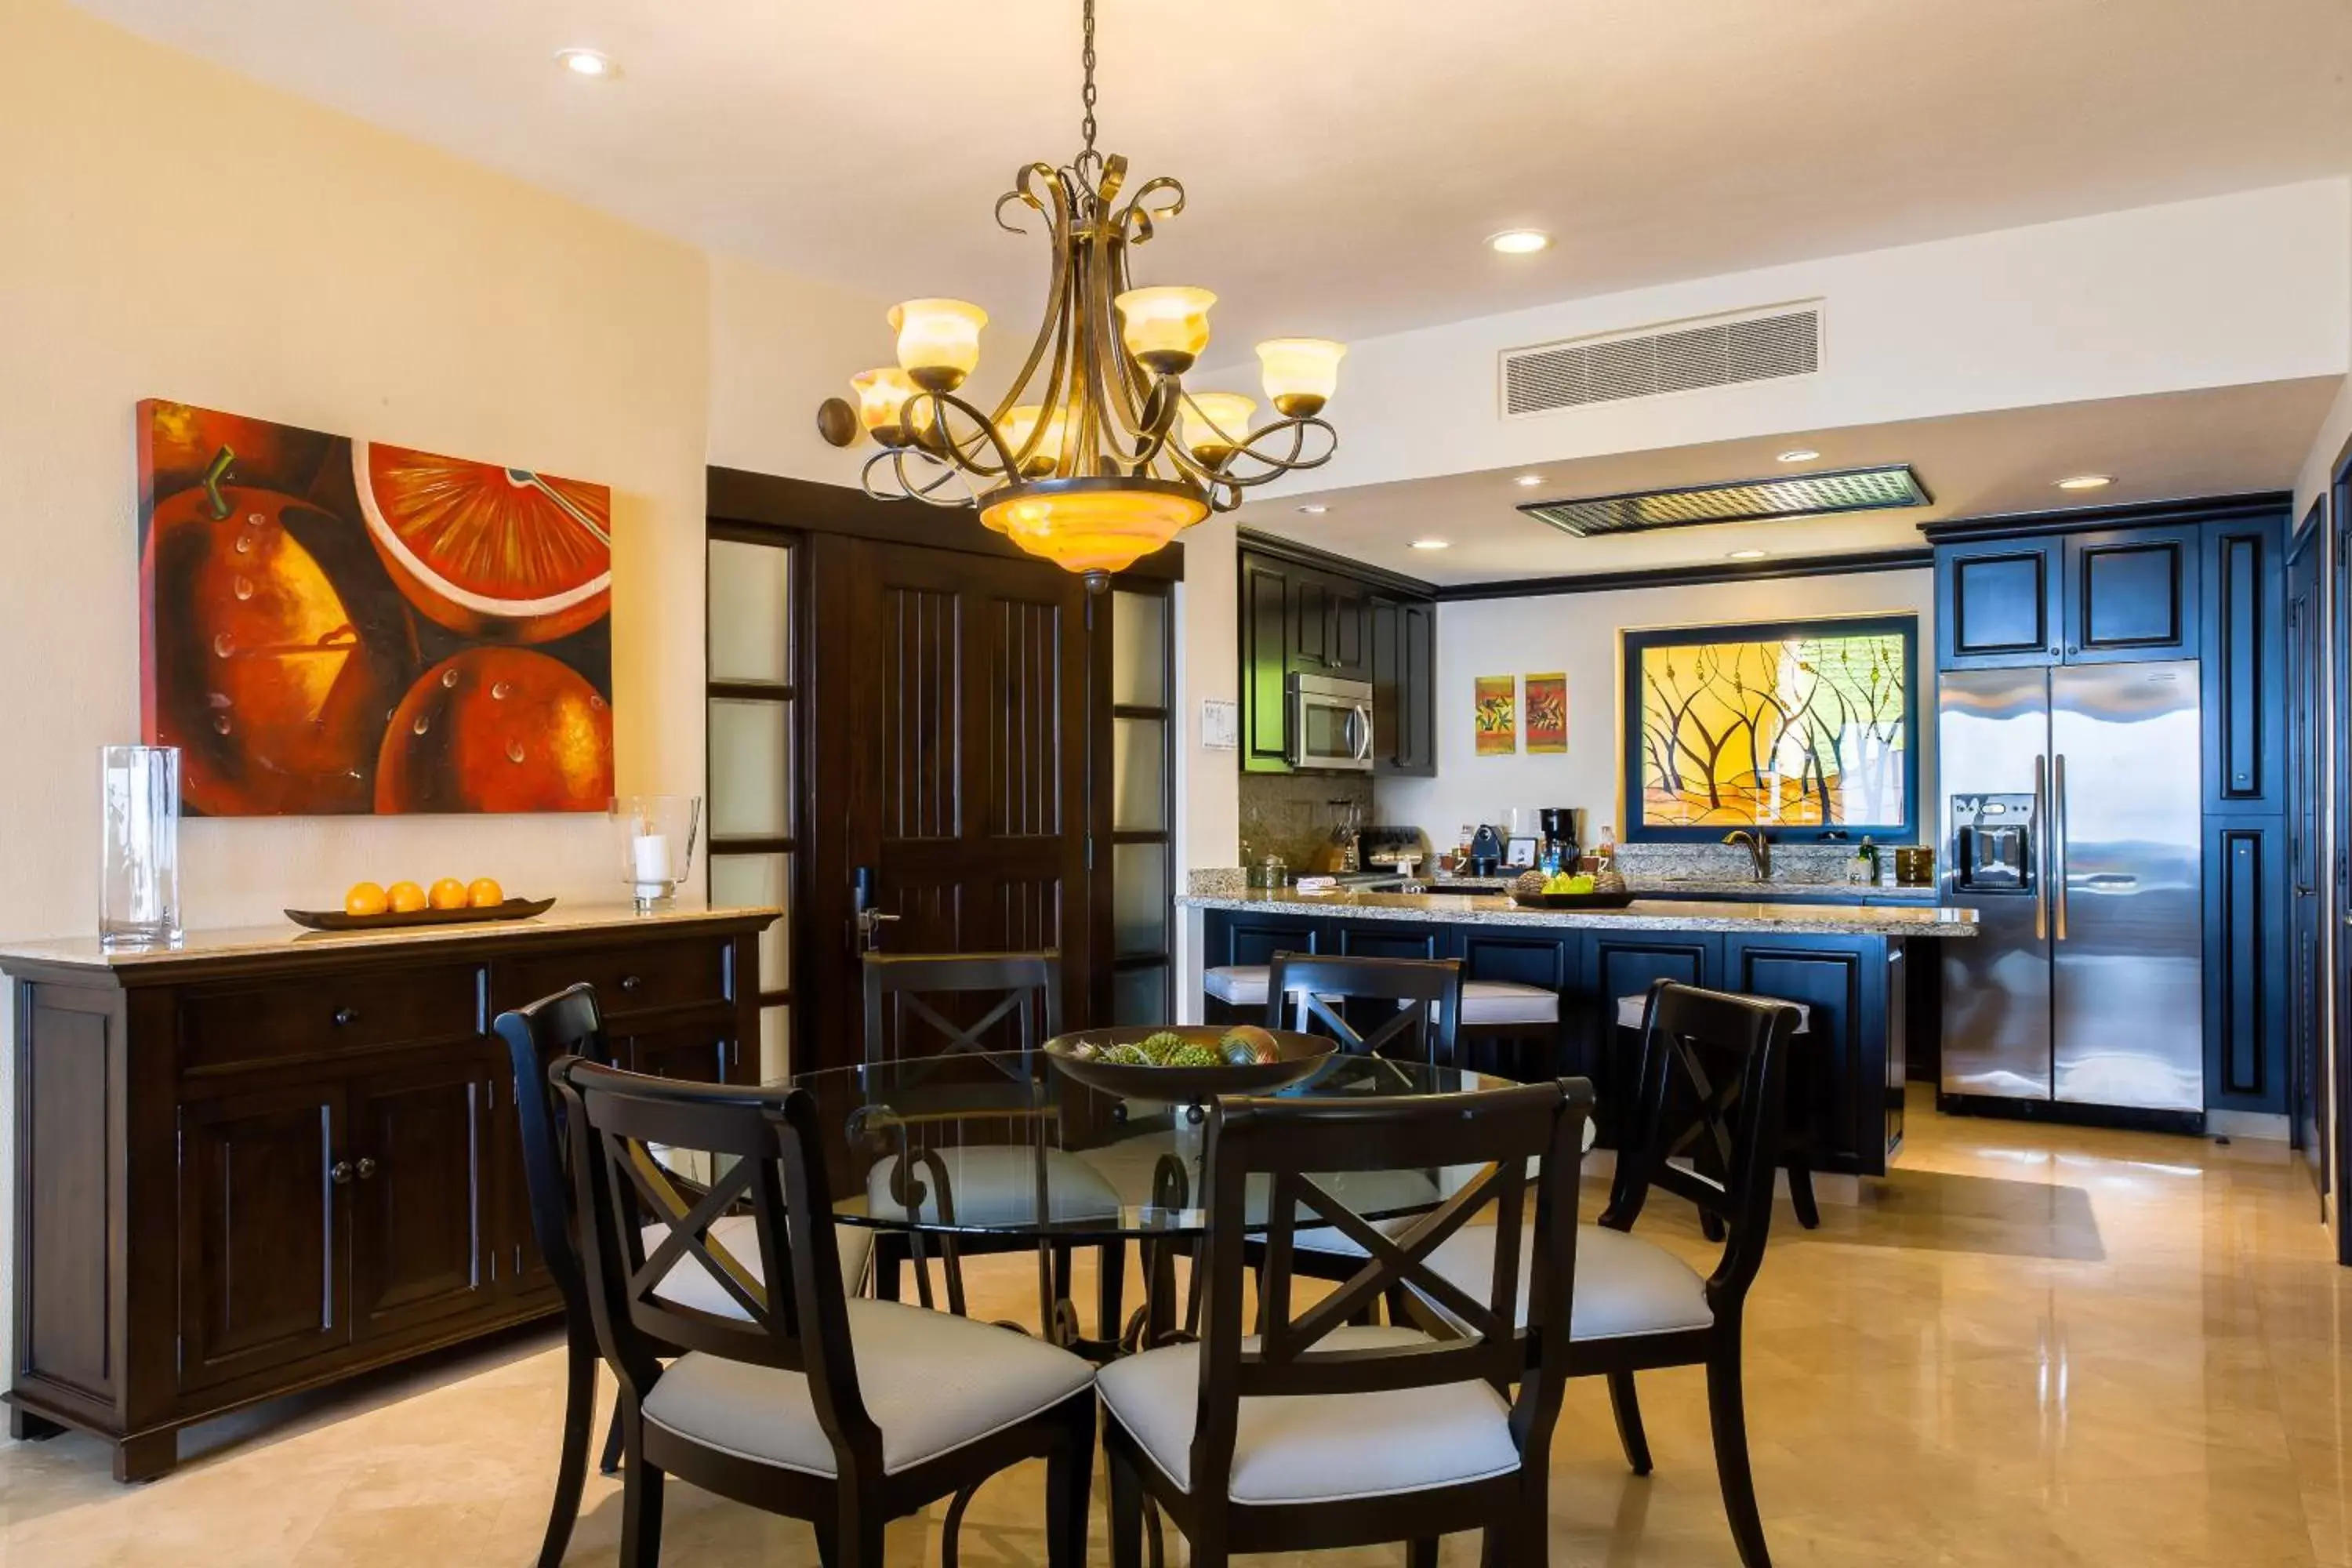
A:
(264, 1254)
(1997, 603)
(2131, 595)
(420, 1137)
(947, 759)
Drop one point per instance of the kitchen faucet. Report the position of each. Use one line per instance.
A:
(1759, 847)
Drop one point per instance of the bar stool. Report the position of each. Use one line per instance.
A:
(1796, 1155)
(1235, 993)
(1504, 1012)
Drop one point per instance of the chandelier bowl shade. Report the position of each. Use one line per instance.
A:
(1097, 525)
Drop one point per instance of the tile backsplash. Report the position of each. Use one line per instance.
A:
(1292, 814)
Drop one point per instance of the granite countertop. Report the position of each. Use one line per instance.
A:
(1473, 909)
(86, 953)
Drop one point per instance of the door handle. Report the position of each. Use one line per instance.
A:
(2040, 871)
(340, 1173)
(869, 926)
(365, 1169)
(2058, 838)
(1359, 733)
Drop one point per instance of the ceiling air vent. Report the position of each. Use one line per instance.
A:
(1742, 500)
(1720, 353)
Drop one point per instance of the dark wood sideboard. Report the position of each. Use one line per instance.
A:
(265, 1163)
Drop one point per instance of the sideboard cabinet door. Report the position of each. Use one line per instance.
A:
(419, 1155)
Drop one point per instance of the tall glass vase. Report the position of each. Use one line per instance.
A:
(139, 895)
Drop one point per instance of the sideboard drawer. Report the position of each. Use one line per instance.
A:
(642, 978)
(328, 1013)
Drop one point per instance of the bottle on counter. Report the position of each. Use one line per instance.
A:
(1863, 871)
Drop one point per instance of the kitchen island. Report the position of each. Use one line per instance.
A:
(1847, 962)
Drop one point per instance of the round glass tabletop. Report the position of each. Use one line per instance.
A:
(1005, 1144)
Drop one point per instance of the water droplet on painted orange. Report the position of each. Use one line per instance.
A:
(222, 645)
(514, 751)
(244, 544)
(216, 699)
(500, 691)
(254, 520)
(597, 703)
(220, 723)
(244, 587)
(449, 680)
(422, 724)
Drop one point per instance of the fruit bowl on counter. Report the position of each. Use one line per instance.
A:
(1534, 890)
(1188, 1062)
(368, 907)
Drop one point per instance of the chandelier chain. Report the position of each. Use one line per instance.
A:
(1087, 95)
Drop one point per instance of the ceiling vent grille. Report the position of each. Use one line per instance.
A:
(1763, 347)
(1745, 500)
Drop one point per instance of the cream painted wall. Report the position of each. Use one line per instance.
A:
(780, 344)
(2251, 287)
(2334, 435)
(1578, 633)
(169, 229)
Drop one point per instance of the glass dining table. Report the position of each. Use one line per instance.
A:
(1002, 1152)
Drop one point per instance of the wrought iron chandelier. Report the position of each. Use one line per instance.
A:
(1097, 454)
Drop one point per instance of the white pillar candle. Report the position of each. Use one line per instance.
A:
(649, 856)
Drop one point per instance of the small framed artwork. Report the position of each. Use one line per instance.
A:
(1495, 714)
(1520, 852)
(1548, 712)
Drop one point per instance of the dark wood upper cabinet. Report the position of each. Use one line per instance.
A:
(1350, 640)
(1266, 616)
(2245, 665)
(1301, 619)
(1998, 603)
(2131, 595)
(1310, 624)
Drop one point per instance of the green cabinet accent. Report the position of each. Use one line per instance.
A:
(1300, 620)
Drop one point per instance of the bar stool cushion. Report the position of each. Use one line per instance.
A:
(1625, 1284)
(689, 1283)
(1630, 1010)
(1507, 1002)
(1324, 1448)
(933, 1382)
(1238, 984)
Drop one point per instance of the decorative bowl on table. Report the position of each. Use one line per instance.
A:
(1137, 1061)
(337, 919)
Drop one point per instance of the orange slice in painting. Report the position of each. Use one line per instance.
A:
(496, 555)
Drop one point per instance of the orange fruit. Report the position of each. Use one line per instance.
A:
(500, 554)
(486, 893)
(365, 899)
(498, 729)
(448, 893)
(406, 897)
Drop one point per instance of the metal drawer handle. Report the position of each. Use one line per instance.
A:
(340, 1173)
(346, 1017)
(630, 982)
(366, 1169)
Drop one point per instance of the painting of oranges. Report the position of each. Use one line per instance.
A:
(333, 625)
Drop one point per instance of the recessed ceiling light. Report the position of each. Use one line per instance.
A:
(1528, 480)
(1315, 511)
(1431, 543)
(1799, 454)
(1519, 241)
(586, 62)
(2086, 481)
(1744, 555)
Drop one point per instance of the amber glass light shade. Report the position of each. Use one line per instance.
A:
(1020, 425)
(1093, 525)
(1215, 422)
(1165, 329)
(938, 340)
(1300, 373)
(882, 402)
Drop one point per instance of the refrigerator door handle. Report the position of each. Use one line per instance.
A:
(2039, 870)
(2058, 836)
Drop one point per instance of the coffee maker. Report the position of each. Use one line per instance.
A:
(1562, 834)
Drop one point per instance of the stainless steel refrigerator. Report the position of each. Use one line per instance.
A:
(2071, 822)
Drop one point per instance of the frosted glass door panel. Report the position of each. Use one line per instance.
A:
(751, 612)
(751, 770)
(775, 1043)
(1139, 908)
(1140, 997)
(752, 881)
(1137, 787)
(1139, 650)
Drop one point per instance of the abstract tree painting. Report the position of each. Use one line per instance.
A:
(333, 625)
(1807, 726)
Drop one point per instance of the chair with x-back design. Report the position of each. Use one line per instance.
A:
(1317, 1432)
(790, 1397)
(947, 1024)
(1400, 1007)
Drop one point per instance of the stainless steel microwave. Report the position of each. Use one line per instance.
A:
(1331, 724)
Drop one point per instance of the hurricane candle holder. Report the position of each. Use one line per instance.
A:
(656, 837)
(139, 889)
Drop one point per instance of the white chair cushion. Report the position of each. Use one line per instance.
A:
(1323, 1448)
(1507, 1002)
(689, 1282)
(1631, 1008)
(996, 1184)
(1238, 984)
(1625, 1284)
(932, 1382)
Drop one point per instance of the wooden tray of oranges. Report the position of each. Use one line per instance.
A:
(368, 907)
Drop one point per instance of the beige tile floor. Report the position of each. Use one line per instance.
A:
(2032, 1346)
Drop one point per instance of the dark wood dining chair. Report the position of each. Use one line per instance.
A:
(1721, 1060)
(798, 1399)
(950, 1011)
(1308, 1431)
(1416, 1003)
(571, 1023)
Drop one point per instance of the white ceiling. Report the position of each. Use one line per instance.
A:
(1345, 157)
(2223, 441)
